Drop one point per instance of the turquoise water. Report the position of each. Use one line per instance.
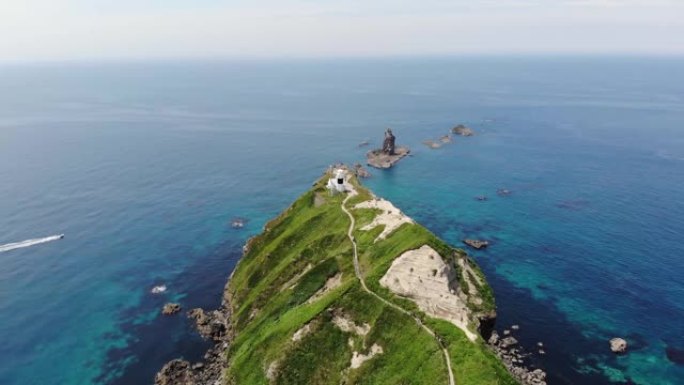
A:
(143, 165)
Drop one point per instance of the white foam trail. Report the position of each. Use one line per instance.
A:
(29, 242)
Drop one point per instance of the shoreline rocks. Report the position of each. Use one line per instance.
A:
(361, 171)
(476, 243)
(513, 358)
(171, 308)
(214, 325)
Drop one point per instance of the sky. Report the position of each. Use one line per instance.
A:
(37, 30)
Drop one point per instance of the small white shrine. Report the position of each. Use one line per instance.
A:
(336, 184)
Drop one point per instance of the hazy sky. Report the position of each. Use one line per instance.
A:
(91, 29)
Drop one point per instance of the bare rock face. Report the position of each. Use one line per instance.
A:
(463, 130)
(171, 308)
(618, 345)
(476, 243)
(388, 143)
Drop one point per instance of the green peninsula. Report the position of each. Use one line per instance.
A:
(343, 288)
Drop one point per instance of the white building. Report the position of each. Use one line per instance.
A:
(336, 184)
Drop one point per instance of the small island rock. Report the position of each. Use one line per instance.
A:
(171, 308)
(389, 154)
(463, 130)
(618, 345)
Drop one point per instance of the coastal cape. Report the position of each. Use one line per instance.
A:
(345, 288)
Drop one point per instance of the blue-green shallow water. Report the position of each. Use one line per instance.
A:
(143, 165)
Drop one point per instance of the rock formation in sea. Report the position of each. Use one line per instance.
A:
(476, 243)
(389, 154)
(337, 289)
(463, 130)
(171, 308)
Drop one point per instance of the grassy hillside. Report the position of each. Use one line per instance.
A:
(290, 330)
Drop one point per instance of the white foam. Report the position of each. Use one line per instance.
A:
(29, 242)
(158, 289)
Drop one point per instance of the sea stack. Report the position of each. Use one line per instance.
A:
(389, 154)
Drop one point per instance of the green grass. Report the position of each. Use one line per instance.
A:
(271, 285)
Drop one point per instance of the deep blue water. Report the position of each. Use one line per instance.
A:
(143, 165)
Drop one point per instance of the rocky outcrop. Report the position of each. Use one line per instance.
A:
(476, 243)
(618, 345)
(212, 325)
(463, 130)
(171, 308)
(388, 144)
(176, 372)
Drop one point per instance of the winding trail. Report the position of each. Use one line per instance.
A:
(357, 271)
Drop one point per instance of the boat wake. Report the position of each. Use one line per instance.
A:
(29, 242)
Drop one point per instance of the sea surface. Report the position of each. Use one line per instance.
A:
(143, 165)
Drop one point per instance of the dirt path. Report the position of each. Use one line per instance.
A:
(357, 271)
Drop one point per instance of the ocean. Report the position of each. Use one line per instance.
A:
(143, 166)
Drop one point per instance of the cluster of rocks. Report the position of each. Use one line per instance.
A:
(513, 358)
(389, 154)
(213, 325)
(445, 139)
(432, 144)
